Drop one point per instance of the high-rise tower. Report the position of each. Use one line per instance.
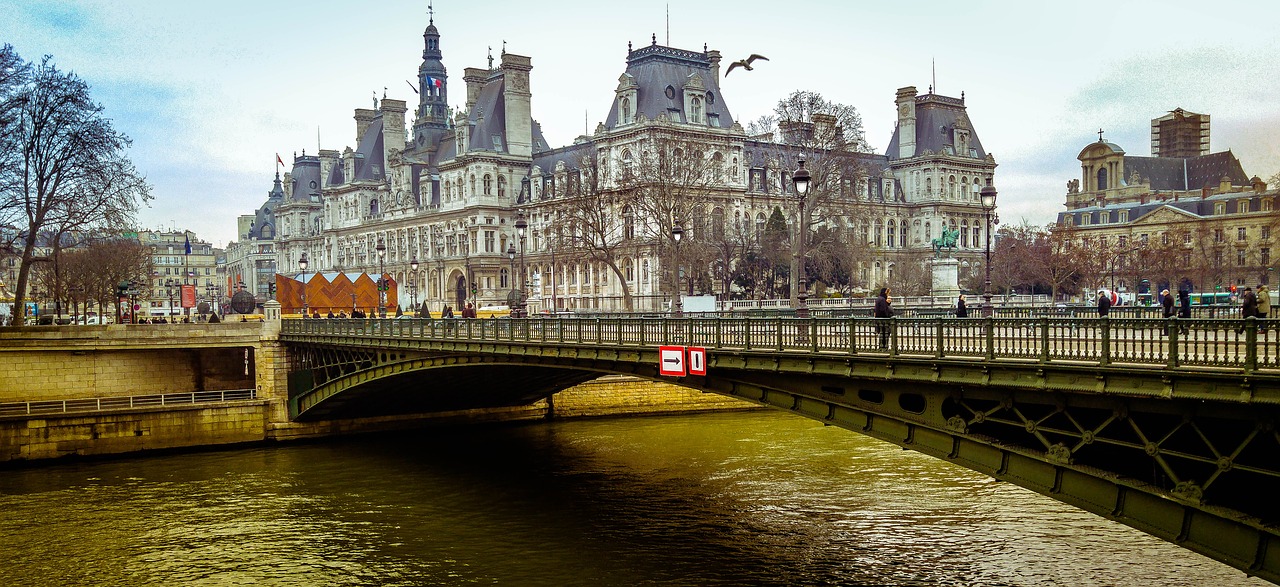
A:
(433, 91)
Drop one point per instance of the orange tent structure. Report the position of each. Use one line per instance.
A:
(333, 291)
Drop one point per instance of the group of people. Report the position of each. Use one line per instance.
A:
(467, 312)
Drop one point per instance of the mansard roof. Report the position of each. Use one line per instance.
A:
(488, 118)
(1194, 207)
(937, 119)
(655, 68)
(1186, 173)
(369, 164)
(306, 178)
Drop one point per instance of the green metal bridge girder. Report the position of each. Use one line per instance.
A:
(1188, 455)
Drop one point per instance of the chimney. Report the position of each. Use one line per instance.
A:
(1224, 185)
(1204, 192)
(364, 117)
(824, 127)
(714, 56)
(474, 77)
(515, 97)
(393, 132)
(906, 102)
(1259, 186)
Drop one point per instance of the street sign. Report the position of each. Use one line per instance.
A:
(671, 361)
(697, 360)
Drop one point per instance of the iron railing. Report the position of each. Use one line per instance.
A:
(99, 404)
(1232, 343)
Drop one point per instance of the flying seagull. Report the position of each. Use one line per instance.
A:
(745, 63)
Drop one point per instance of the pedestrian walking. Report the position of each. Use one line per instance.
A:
(1248, 306)
(469, 311)
(1104, 303)
(1264, 301)
(883, 309)
(961, 310)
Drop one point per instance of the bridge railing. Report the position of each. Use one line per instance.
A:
(1235, 343)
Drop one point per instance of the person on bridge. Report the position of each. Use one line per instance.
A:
(883, 309)
(1166, 302)
(1104, 303)
(469, 311)
(961, 311)
(1264, 301)
(1248, 306)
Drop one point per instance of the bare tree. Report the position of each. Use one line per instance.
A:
(69, 170)
(830, 139)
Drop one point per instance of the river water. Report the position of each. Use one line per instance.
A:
(744, 498)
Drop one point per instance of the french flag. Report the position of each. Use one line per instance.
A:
(434, 82)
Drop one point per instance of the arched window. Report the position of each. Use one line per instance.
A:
(628, 223)
(624, 109)
(890, 233)
(627, 164)
(902, 234)
(964, 234)
(965, 192)
(502, 186)
(1102, 178)
(695, 115)
(760, 223)
(503, 278)
(717, 167)
(630, 270)
(879, 233)
(373, 207)
(461, 194)
(951, 187)
(717, 223)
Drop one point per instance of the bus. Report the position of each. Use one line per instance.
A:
(1222, 298)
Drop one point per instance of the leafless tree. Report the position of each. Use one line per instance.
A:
(830, 139)
(68, 170)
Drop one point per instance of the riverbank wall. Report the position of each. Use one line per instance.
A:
(173, 422)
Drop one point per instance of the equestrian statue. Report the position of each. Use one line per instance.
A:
(946, 240)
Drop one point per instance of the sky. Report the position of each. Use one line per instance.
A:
(210, 92)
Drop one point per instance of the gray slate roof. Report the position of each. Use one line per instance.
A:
(655, 68)
(937, 118)
(1190, 173)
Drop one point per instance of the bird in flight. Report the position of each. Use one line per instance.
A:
(744, 63)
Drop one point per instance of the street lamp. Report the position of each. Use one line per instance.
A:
(382, 282)
(521, 227)
(514, 299)
(413, 283)
(302, 264)
(168, 289)
(801, 180)
(988, 197)
(677, 233)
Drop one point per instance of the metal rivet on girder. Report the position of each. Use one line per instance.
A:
(1152, 449)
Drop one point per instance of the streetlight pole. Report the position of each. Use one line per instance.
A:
(168, 289)
(988, 197)
(677, 305)
(801, 180)
(382, 282)
(522, 226)
(413, 284)
(515, 293)
(302, 264)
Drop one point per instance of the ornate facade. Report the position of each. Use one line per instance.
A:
(445, 190)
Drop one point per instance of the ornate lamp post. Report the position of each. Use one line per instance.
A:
(382, 282)
(801, 180)
(522, 226)
(515, 292)
(413, 283)
(168, 289)
(302, 264)
(677, 233)
(988, 197)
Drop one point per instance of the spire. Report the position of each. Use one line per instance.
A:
(433, 84)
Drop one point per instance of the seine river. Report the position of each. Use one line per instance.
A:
(747, 498)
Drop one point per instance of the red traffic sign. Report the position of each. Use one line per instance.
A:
(697, 360)
(671, 361)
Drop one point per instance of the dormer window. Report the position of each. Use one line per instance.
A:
(624, 110)
(695, 111)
